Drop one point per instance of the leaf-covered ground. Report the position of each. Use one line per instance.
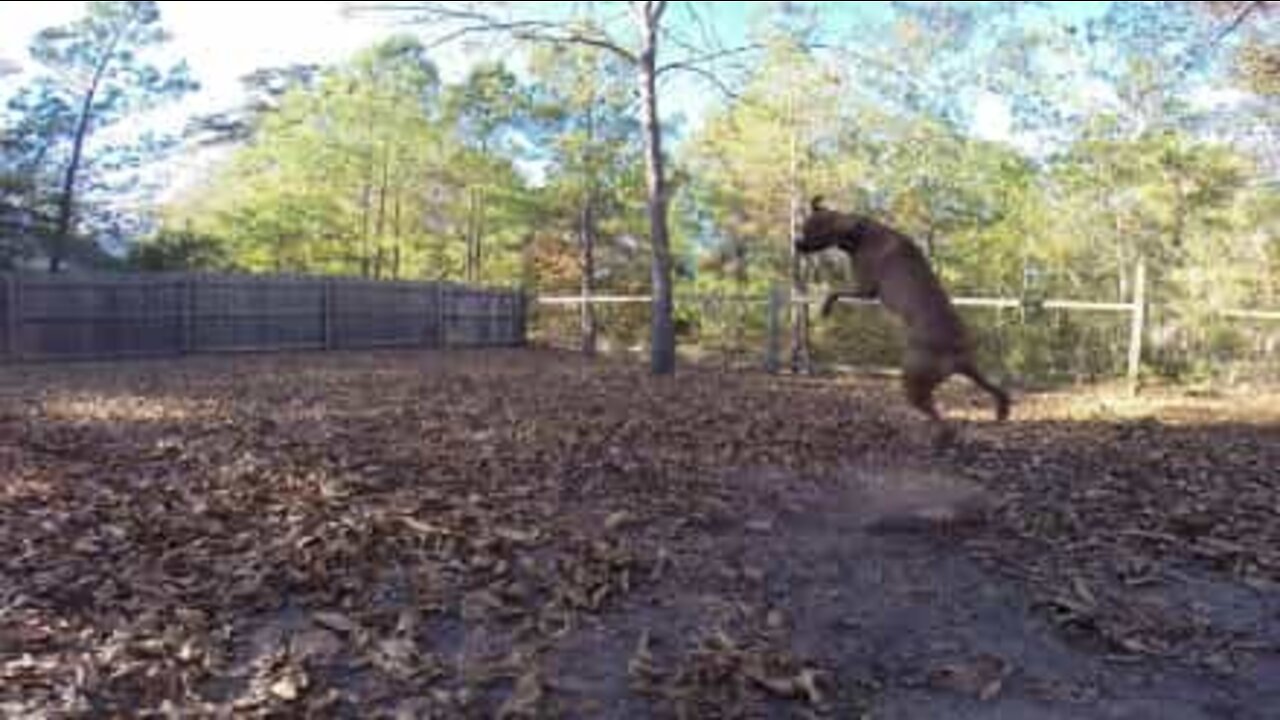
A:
(523, 534)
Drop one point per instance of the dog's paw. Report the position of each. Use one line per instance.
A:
(1003, 408)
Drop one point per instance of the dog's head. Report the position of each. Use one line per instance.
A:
(824, 228)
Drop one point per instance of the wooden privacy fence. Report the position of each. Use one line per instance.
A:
(107, 317)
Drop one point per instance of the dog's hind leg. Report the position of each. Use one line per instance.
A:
(1001, 397)
(922, 372)
(919, 388)
(920, 378)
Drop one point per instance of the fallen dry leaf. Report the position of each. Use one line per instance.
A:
(618, 520)
(525, 699)
(336, 622)
(175, 537)
(289, 687)
(982, 677)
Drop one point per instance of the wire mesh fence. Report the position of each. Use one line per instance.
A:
(1042, 343)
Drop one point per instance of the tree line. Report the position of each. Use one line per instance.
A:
(1031, 152)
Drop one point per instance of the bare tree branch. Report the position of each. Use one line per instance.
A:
(1242, 15)
(688, 63)
(482, 23)
(658, 9)
(709, 39)
(575, 38)
(511, 28)
(714, 80)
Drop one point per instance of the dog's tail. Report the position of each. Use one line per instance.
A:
(969, 370)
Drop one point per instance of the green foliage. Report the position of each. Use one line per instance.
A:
(590, 146)
(1257, 58)
(358, 172)
(179, 250)
(376, 168)
(1138, 174)
(94, 73)
(373, 168)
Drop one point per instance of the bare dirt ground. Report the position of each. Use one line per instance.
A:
(524, 534)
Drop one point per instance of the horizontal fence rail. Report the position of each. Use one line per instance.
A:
(994, 303)
(976, 302)
(1050, 338)
(68, 317)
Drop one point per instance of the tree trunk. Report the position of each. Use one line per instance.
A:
(1138, 325)
(741, 273)
(741, 281)
(66, 203)
(366, 210)
(662, 329)
(801, 360)
(1121, 260)
(470, 272)
(480, 231)
(588, 241)
(587, 237)
(528, 270)
(61, 234)
(381, 225)
(398, 239)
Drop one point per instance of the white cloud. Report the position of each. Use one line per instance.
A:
(1217, 98)
(992, 118)
(222, 42)
(225, 41)
(19, 22)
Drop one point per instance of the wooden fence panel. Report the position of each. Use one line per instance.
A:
(368, 314)
(255, 314)
(8, 314)
(66, 318)
(104, 317)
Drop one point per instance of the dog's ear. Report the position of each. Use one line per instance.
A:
(817, 204)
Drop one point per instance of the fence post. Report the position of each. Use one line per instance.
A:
(186, 317)
(9, 316)
(493, 320)
(13, 316)
(524, 304)
(512, 336)
(1138, 326)
(326, 312)
(431, 316)
(773, 348)
(442, 317)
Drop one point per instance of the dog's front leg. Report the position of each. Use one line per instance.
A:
(861, 293)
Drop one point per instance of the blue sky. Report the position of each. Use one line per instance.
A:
(226, 40)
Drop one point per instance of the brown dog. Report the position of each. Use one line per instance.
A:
(888, 265)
